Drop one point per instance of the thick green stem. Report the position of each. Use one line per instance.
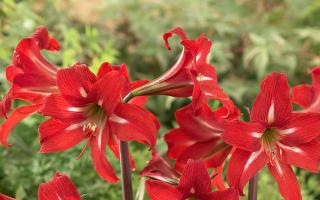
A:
(126, 181)
(253, 188)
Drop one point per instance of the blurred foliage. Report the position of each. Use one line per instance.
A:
(251, 38)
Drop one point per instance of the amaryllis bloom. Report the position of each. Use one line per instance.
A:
(275, 137)
(190, 76)
(193, 183)
(91, 108)
(199, 136)
(32, 78)
(60, 187)
(308, 96)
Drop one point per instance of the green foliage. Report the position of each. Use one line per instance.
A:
(250, 39)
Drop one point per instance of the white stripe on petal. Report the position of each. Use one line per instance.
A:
(252, 158)
(271, 113)
(256, 134)
(120, 120)
(75, 109)
(83, 92)
(287, 131)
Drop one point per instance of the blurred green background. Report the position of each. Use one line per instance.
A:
(250, 39)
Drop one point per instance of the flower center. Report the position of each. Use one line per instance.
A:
(269, 141)
(95, 119)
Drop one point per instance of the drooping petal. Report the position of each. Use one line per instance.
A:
(202, 125)
(286, 180)
(306, 156)
(44, 41)
(107, 91)
(75, 83)
(28, 58)
(300, 128)
(57, 136)
(272, 105)
(207, 80)
(177, 141)
(131, 122)
(56, 106)
(15, 117)
(243, 165)
(195, 179)
(212, 152)
(35, 83)
(12, 71)
(243, 135)
(178, 31)
(158, 168)
(161, 191)
(60, 187)
(99, 160)
(229, 194)
(5, 197)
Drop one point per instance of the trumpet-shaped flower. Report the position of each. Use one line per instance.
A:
(190, 76)
(32, 78)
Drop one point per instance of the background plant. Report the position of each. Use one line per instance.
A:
(251, 38)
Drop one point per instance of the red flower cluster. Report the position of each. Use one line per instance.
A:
(107, 108)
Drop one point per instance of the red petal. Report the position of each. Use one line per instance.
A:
(194, 179)
(57, 107)
(250, 134)
(229, 194)
(305, 156)
(177, 141)
(15, 117)
(178, 31)
(34, 82)
(202, 125)
(243, 165)
(27, 57)
(5, 104)
(213, 152)
(158, 168)
(60, 187)
(41, 35)
(286, 180)
(161, 191)
(12, 71)
(4, 197)
(300, 128)
(272, 105)
(303, 95)
(131, 122)
(75, 82)
(58, 136)
(100, 162)
(107, 91)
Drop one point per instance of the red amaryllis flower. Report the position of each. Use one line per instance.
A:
(308, 96)
(60, 187)
(32, 78)
(193, 183)
(275, 137)
(199, 136)
(190, 76)
(90, 108)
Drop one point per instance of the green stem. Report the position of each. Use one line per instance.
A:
(126, 181)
